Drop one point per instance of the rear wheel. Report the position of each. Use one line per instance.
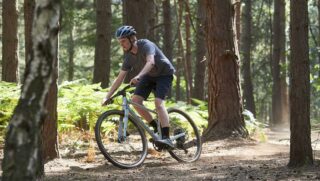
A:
(123, 151)
(188, 147)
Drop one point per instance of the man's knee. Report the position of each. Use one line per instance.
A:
(137, 99)
(159, 103)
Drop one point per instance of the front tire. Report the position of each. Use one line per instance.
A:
(126, 152)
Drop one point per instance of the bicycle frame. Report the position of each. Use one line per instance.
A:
(128, 111)
(122, 132)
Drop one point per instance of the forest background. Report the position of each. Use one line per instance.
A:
(77, 42)
(88, 65)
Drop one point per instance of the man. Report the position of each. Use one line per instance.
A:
(156, 76)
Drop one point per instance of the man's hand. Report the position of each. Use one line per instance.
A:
(105, 101)
(135, 80)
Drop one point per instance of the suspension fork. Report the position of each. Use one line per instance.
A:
(123, 125)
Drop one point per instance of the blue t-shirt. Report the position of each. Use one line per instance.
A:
(145, 47)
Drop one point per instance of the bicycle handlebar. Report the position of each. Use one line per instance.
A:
(121, 92)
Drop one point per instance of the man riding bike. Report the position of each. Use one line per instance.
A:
(156, 76)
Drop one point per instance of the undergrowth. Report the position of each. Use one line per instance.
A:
(79, 106)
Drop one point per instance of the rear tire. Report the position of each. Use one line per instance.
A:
(124, 153)
(188, 148)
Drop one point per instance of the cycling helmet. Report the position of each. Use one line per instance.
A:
(125, 31)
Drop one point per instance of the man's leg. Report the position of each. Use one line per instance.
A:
(162, 87)
(145, 114)
(141, 93)
(162, 112)
(164, 120)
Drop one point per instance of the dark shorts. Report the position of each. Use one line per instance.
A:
(159, 85)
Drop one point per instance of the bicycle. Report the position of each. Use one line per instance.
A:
(121, 138)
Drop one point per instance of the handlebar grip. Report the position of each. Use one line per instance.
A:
(131, 85)
(109, 101)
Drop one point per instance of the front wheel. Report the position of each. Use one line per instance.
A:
(188, 147)
(123, 147)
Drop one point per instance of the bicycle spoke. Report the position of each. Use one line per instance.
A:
(188, 143)
(124, 152)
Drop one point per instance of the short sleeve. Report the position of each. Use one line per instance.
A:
(149, 49)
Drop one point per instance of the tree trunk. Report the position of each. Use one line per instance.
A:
(50, 149)
(10, 41)
(103, 43)
(151, 20)
(224, 98)
(188, 64)
(246, 44)
(200, 68)
(178, 82)
(137, 14)
(300, 141)
(237, 21)
(284, 92)
(22, 152)
(276, 87)
(270, 51)
(181, 58)
(167, 37)
(71, 51)
(318, 5)
(28, 17)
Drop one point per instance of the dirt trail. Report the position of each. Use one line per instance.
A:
(220, 160)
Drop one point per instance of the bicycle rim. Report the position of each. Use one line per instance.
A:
(122, 152)
(188, 148)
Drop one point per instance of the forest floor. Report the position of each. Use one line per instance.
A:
(220, 160)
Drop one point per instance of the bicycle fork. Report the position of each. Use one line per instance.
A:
(122, 130)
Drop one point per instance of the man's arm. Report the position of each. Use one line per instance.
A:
(117, 82)
(147, 67)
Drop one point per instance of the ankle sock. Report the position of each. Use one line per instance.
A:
(165, 132)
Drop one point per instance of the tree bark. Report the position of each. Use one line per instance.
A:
(167, 37)
(246, 44)
(300, 139)
(318, 5)
(28, 19)
(151, 20)
(178, 82)
(10, 41)
(270, 51)
(200, 68)
(71, 50)
(68, 24)
(188, 63)
(50, 149)
(224, 98)
(103, 43)
(22, 152)
(181, 57)
(276, 87)
(237, 21)
(284, 92)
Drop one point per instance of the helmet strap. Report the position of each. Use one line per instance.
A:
(131, 44)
